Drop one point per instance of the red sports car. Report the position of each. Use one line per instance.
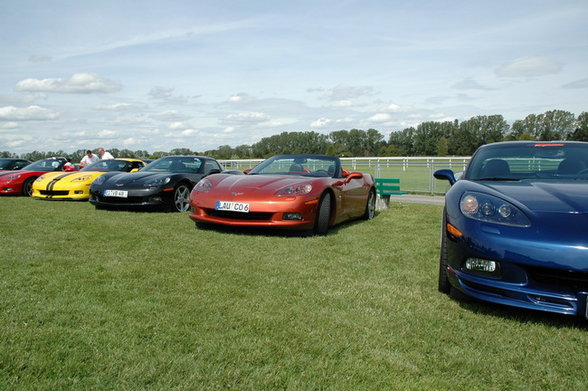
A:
(21, 181)
(302, 192)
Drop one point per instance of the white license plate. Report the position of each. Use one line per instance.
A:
(232, 206)
(116, 193)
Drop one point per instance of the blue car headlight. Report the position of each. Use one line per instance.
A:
(492, 209)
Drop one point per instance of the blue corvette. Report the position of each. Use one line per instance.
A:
(515, 227)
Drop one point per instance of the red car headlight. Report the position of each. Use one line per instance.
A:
(12, 177)
(295, 190)
(203, 186)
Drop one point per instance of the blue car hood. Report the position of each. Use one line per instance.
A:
(546, 196)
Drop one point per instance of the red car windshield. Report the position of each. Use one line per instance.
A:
(46, 165)
(304, 165)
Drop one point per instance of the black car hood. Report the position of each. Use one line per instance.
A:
(138, 178)
(544, 196)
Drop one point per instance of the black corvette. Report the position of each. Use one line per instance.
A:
(166, 182)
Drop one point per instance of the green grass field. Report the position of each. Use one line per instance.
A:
(111, 300)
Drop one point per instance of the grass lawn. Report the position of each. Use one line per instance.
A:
(95, 299)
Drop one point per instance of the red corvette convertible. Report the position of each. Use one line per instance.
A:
(302, 192)
(21, 181)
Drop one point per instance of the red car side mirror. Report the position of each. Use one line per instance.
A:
(353, 175)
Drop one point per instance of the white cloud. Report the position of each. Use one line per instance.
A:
(130, 141)
(393, 107)
(9, 125)
(229, 129)
(345, 92)
(529, 67)
(30, 113)
(577, 84)
(79, 83)
(469, 84)
(177, 125)
(16, 143)
(170, 115)
(320, 123)
(248, 117)
(117, 106)
(189, 132)
(241, 97)
(106, 133)
(342, 103)
(380, 117)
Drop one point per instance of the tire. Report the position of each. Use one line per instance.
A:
(180, 201)
(444, 286)
(27, 187)
(370, 207)
(323, 215)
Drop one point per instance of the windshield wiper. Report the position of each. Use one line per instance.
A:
(498, 179)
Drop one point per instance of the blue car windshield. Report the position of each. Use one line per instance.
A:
(301, 165)
(518, 161)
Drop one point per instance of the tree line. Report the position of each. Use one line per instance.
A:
(450, 138)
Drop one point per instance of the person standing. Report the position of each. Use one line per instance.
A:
(104, 155)
(88, 159)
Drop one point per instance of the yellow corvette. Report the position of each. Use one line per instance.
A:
(76, 185)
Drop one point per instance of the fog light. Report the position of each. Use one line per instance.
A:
(481, 265)
(155, 199)
(292, 216)
(79, 192)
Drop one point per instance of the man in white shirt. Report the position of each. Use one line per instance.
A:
(88, 159)
(104, 155)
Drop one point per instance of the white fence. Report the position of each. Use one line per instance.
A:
(415, 173)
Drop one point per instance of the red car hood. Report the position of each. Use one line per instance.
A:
(23, 173)
(255, 184)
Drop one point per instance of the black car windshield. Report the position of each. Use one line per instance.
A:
(46, 165)
(518, 161)
(176, 164)
(6, 164)
(109, 165)
(304, 165)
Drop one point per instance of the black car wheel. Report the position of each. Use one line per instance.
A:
(323, 215)
(370, 208)
(27, 187)
(444, 286)
(181, 199)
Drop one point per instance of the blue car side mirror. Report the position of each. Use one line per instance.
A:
(445, 174)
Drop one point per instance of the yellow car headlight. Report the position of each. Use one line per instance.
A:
(82, 178)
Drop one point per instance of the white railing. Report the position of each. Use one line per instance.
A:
(415, 173)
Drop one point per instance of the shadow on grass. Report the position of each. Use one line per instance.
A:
(274, 232)
(520, 315)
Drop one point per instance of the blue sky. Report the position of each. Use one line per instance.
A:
(159, 75)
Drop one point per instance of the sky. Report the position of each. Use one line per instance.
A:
(157, 75)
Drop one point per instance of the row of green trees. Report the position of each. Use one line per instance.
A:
(451, 138)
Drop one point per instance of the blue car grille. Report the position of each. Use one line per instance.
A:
(574, 280)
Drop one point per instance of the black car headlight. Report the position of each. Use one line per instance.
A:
(100, 180)
(158, 181)
(492, 209)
